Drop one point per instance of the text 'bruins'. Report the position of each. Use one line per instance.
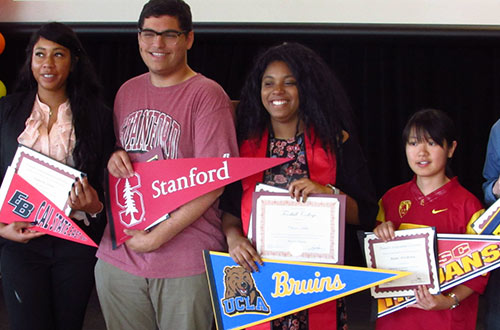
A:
(286, 286)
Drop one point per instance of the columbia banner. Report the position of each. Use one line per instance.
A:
(25, 203)
(241, 298)
(160, 187)
(461, 258)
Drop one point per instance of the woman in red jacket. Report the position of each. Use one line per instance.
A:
(293, 106)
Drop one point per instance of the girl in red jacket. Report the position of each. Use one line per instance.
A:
(292, 106)
(433, 198)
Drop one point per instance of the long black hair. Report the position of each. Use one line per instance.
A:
(323, 103)
(83, 90)
(432, 124)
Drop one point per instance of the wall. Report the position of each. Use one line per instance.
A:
(388, 74)
(391, 61)
(455, 12)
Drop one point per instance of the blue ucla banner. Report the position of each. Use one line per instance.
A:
(241, 298)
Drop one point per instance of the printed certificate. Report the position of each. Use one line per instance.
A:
(289, 230)
(51, 178)
(414, 251)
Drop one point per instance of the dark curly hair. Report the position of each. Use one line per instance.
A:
(323, 103)
(82, 87)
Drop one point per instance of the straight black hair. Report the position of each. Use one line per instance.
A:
(435, 125)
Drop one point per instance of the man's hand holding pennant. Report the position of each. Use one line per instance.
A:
(160, 187)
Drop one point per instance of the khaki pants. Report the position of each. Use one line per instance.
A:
(136, 303)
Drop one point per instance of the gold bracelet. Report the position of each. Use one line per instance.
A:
(457, 302)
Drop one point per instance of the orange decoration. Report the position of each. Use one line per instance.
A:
(2, 43)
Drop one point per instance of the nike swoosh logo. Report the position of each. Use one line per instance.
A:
(434, 211)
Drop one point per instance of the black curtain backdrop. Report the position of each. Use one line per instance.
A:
(389, 72)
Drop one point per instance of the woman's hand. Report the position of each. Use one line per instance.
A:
(243, 252)
(240, 248)
(385, 231)
(83, 197)
(19, 231)
(431, 302)
(304, 187)
(427, 301)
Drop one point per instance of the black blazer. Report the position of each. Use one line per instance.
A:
(15, 110)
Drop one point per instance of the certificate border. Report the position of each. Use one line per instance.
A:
(396, 291)
(455, 281)
(332, 251)
(24, 152)
(338, 257)
(57, 166)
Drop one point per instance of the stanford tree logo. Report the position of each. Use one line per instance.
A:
(130, 200)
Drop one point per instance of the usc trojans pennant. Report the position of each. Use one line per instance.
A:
(160, 187)
(24, 203)
(461, 258)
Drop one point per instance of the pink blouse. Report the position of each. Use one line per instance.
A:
(60, 141)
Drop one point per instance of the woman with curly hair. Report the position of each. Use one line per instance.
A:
(57, 110)
(293, 106)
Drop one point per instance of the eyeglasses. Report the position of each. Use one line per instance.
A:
(170, 37)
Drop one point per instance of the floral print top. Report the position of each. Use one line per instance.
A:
(294, 149)
(281, 176)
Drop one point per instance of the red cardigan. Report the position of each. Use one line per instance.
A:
(322, 169)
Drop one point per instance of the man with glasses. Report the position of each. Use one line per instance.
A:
(157, 278)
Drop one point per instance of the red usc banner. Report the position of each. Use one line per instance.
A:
(461, 258)
(25, 203)
(160, 187)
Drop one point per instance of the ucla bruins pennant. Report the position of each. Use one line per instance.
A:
(241, 298)
(461, 258)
